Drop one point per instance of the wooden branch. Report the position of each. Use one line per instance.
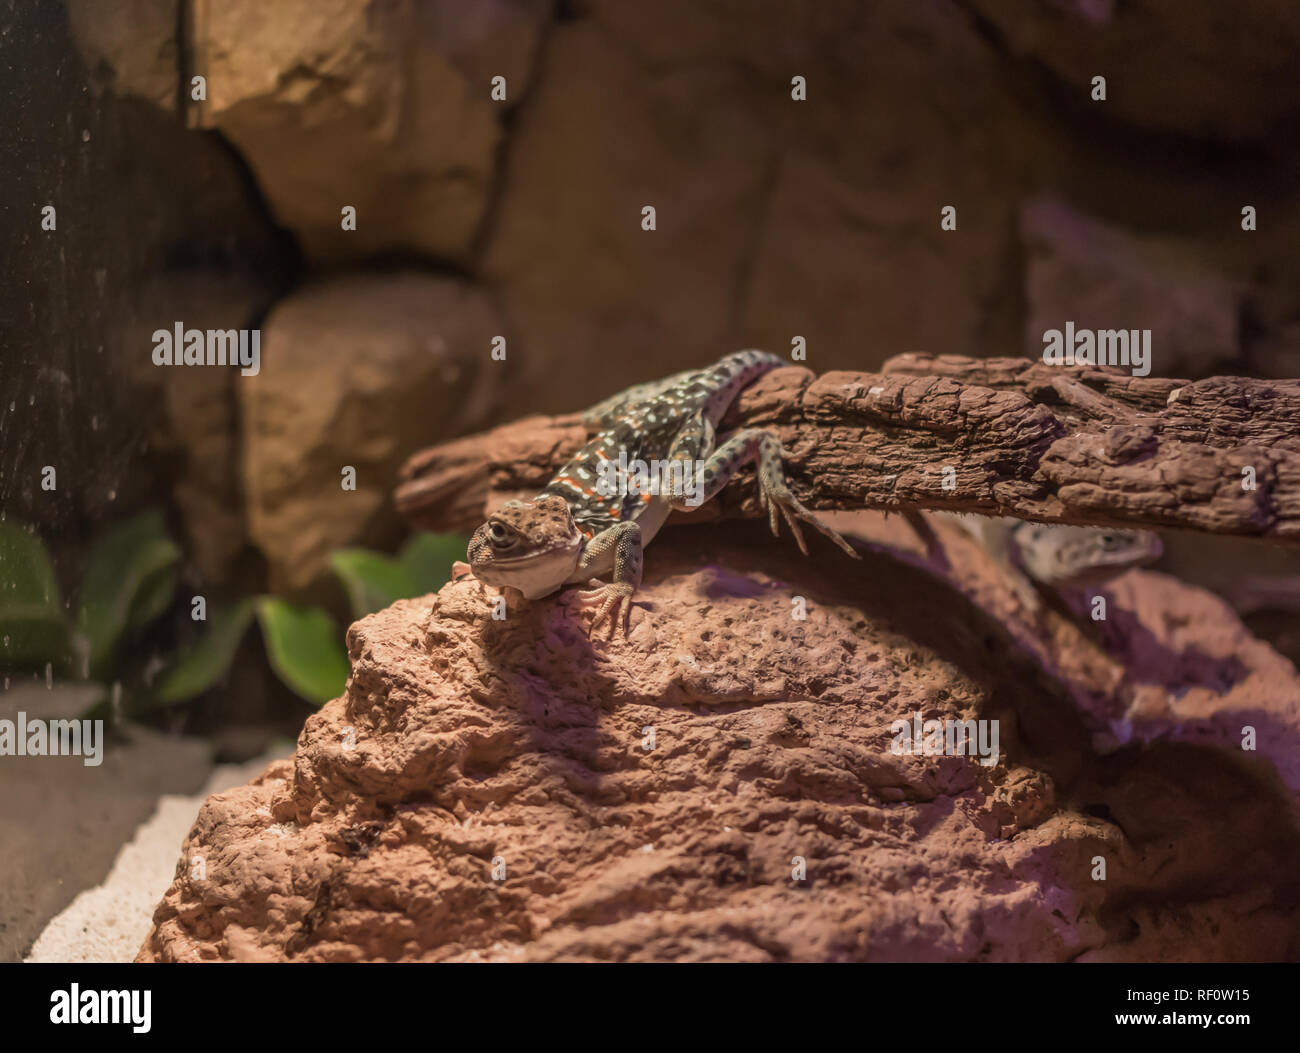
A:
(1073, 444)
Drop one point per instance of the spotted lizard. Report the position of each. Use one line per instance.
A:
(576, 530)
(1058, 556)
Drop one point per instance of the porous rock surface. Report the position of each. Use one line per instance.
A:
(509, 790)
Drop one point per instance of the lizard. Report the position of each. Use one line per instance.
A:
(1055, 555)
(576, 530)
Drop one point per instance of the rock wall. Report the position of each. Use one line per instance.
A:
(355, 372)
(776, 219)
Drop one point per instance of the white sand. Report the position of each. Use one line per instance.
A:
(108, 923)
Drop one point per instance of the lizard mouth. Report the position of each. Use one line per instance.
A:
(566, 547)
(1108, 570)
(532, 557)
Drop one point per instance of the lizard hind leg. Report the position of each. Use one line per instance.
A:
(773, 492)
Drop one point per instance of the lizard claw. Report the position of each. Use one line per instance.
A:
(776, 495)
(614, 601)
(777, 508)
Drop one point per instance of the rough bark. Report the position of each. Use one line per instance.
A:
(1077, 444)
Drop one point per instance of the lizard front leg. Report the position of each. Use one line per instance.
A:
(614, 599)
(773, 492)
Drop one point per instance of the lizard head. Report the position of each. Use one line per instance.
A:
(1073, 556)
(532, 546)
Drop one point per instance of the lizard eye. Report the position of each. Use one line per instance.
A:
(500, 536)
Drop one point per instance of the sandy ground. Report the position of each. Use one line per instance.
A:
(62, 822)
(109, 922)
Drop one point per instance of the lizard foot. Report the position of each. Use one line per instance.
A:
(614, 601)
(775, 496)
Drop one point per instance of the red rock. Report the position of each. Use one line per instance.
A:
(522, 742)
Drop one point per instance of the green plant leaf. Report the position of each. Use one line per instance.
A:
(205, 662)
(304, 647)
(26, 573)
(129, 582)
(373, 580)
(428, 559)
(33, 639)
(33, 630)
